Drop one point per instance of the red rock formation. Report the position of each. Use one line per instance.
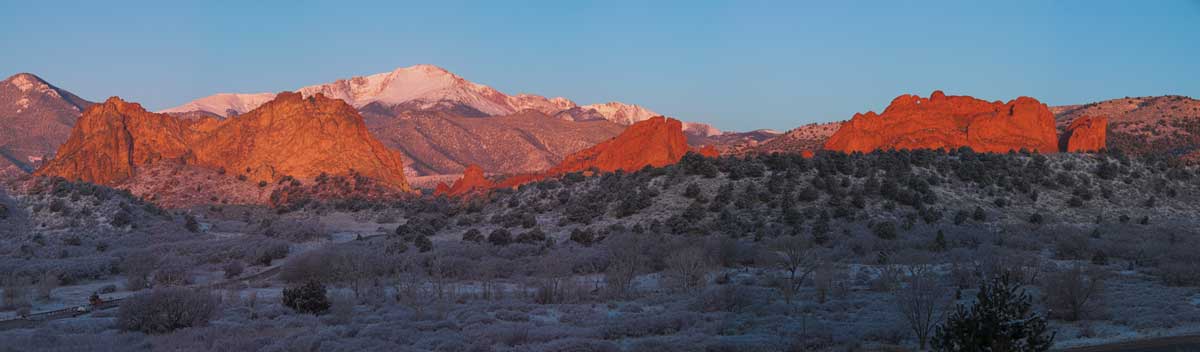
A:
(1086, 134)
(441, 189)
(657, 142)
(291, 135)
(111, 139)
(807, 154)
(471, 182)
(708, 151)
(941, 121)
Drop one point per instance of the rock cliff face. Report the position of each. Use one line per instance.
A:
(288, 136)
(658, 141)
(112, 139)
(1086, 134)
(941, 121)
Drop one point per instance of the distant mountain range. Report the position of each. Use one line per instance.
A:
(425, 112)
(441, 123)
(432, 88)
(35, 118)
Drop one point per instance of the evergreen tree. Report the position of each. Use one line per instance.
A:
(307, 298)
(1002, 319)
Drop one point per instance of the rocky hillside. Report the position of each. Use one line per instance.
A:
(1145, 125)
(941, 121)
(290, 136)
(446, 143)
(729, 141)
(810, 138)
(35, 118)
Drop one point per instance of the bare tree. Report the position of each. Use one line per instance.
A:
(1074, 293)
(688, 268)
(829, 278)
(797, 258)
(625, 260)
(552, 281)
(413, 289)
(921, 300)
(47, 284)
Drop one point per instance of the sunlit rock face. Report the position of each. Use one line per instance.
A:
(291, 135)
(941, 121)
(1086, 134)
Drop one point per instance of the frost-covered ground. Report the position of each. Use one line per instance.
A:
(549, 269)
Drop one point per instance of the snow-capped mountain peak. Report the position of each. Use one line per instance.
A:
(224, 104)
(430, 86)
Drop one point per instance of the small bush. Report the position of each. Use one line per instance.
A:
(500, 237)
(885, 230)
(583, 236)
(121, 219)
(423, 244)
(308, 298)
(233, 269)
(473, 235)
(190, 223)
(165, 310)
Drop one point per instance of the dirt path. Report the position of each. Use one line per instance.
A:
(1161, 344)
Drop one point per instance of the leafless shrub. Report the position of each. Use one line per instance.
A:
(137, 268)
(352, 265)
(921, 300)
(797, 258)
(1074, 293)
(688, 268)
(625, 261)
(50, 280)
(174, 274)
(167, 309)
(341, 310)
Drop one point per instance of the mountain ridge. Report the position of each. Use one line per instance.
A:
(35, 117)
(428, 87)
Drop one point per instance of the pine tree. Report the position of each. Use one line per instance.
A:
(939, 243)
(1002, 319)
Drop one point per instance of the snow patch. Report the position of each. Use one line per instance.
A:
(23, 83)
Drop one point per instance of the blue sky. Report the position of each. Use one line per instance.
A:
(738, 65)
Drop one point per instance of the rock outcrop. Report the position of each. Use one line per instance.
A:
(288, 136)
(708, 151)
(1086, 134)
(941, 121)
(473, 181)
(657, 142)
